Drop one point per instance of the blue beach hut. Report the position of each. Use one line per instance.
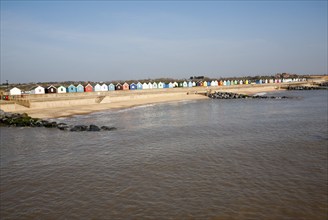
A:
(139, 85)
(133, 86)
(71, 88)
(111, 87)
(189, 84)
(79, 88)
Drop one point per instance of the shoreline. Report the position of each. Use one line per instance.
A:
(51, 107)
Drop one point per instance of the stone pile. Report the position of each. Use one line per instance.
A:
(23, 120)
(230, 95)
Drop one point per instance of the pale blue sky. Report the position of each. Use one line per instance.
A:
(120, 40)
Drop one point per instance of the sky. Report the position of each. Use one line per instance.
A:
(43, 41)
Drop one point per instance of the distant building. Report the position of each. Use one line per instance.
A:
(79, 88)
(133, 86)
(37, 90)
(111, 87)
(15, 91)
(160, 85)
(126, 86)
(145, 85)
(88, 88)
(104, 87)
(61, 89)
(118, 86)
(71, 88)
(139, 85)
(97, 88)
(51, 89)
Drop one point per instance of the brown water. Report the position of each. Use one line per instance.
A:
(211, 159)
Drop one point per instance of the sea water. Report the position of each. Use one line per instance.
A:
(208, 159)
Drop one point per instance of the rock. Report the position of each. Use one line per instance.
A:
(79, 128)
(94, 128)
(62, 126)
(106, 128)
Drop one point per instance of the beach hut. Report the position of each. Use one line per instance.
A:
(51, 89)
(212, 83)
(104, 87)
(111, 87)
(194, 84)
(61, 89)
(150, 85)
(133, 86)
(204, 84)
(266, 81)
(224, 82)
(139, 85)
(175, 84)
(160, 85)
(246, 82)
(71, 88)
(97, 88)
(15, 91)
(145, 85)
(240, 82)
(184, 84)
(88, 88)
(180, 84)
(155, 85)
(118, 86)
(37, 90)
(228, 82)
(79, 88)
(126, 86)
(208, 83)
(166, 86)
(216, 83)
(190, 84)
(171, 85)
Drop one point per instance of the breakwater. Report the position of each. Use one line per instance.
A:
(321, 86)
(24, 120)
(231, 95)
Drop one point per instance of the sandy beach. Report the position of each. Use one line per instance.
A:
(65, 105)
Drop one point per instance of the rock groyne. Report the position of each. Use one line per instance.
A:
(8, 119)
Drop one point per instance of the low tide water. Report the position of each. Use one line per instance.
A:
(208, 159)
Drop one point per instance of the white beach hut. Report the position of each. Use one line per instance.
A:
(38, 90)
(175, 84)
(15, 91)
(61, 89)
(104, 87)
(193, 84)
(170, 85)
(97, 88)
(155, 86)
(145, 86)
(160, 85)
(150, 85)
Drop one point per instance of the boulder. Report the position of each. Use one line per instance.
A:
(94, 128)
(79, 128)
(106, 128)
(62, 126)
